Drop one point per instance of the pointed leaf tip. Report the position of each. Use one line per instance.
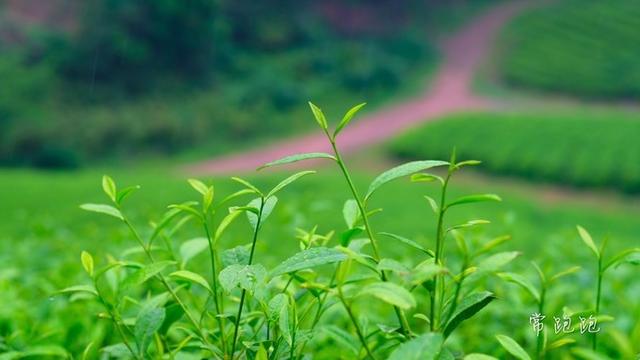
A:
(319, 115)
(347, 118)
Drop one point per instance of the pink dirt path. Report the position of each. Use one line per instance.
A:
(450, 92)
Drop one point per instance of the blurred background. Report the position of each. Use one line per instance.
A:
(544, 93)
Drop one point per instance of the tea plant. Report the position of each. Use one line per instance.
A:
(162, 304)
(448, 304)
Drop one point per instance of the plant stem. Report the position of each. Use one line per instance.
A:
(454, 301)
(244, 292)
(354, 321)
(404, 324)
(214, 272)
(165, 283)
(594, 344)
(438, 255)
(540, 339)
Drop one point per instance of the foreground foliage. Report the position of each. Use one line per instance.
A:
(160, 306)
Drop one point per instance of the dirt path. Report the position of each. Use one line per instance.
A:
(450, 92)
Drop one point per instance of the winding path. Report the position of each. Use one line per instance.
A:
(450, 92)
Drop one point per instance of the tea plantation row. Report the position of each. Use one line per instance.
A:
(596, 150)
(584, 48)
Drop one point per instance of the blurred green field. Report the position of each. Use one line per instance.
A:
(43, 232)
(583, 148)
(579, 47)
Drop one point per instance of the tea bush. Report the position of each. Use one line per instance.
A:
(597, 149)
(585, 48)
(338, 296)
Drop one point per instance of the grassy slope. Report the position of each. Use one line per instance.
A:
(596, 148)
(586, 48)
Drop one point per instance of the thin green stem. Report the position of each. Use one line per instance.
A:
(540, 339)
(244, 292)
(214, 276)
(454, 301)
(319, 311)
(404, 323)
(354, 321)
(594, 344)
(292, 348)
(438, 255)
(114, 318)
(167, 286)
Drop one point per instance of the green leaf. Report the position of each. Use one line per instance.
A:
(187, 209)
(342, 337)
(523, 282)
(587, 354)
(620, 257)
(560, 343)
(164, 222)
(198, 185)
(261, 354)
(400, 171)
(433, 204)
(425, 347)
(191, 277)
(584, 235)
(476, 356)
(109, 187)
(124, 193)
(298, 157)
(43, 351)
(393, 265)
(147, 272)
(468, 163)
(238, 255)
(247, 184)
(147, 323)
(288, 181)
(117, 351)
(513, 347)
(496, 261)
(320, 118)
(190, 248)
(269, 204)
(224, 223)
(493, 243)
(78, 288)
(426, 177)
(469, 306)
(347, 118)
(309, 258)
(469, 223)
(390, 293)
(350, 212)
(87, 262)
(283, 323)
(425, 271)
(247, 277)
(569, 271)
(235, 195)
(275, 306)
(345, 237)
(207, 198)
(474, 199)
(103, 209)
(408, 242)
